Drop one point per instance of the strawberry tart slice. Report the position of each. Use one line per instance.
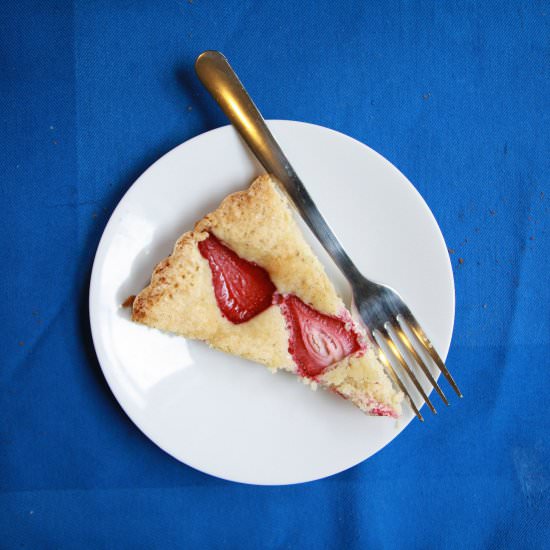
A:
(246, 282)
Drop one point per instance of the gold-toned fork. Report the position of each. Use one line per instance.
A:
(405, 349)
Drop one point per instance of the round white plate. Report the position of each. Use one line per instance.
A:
(224, 415)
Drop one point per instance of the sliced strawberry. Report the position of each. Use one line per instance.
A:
(317, 341)
(242, 288)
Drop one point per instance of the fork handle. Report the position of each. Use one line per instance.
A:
(217, 76)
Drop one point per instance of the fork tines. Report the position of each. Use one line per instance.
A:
(406, 350)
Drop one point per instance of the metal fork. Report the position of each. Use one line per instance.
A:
(405, 348)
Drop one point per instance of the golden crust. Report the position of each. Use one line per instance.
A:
(362, 381)
(258, 225)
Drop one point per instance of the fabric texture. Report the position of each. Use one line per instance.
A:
(455, 94)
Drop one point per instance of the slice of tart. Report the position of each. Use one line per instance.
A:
(246, 282)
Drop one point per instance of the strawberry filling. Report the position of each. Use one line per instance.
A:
(317, 341)
(243, 289)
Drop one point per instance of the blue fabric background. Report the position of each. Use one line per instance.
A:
(456, 94)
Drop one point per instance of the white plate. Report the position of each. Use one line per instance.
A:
(227, 416)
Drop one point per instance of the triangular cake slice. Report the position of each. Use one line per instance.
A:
(246, 282)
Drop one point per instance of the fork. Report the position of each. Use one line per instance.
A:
(403, 345)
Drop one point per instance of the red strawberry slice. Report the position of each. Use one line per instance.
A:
(316, 340)
(242, 288)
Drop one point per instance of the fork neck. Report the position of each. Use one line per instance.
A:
(303, 202)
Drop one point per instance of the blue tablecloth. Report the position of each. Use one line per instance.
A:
(456, 94)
